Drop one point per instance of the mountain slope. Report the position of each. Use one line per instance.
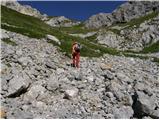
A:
(33, 27)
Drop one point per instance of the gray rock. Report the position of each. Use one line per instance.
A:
(34, 92)
(124, 13)
(108, 75)
(59, 71)
(52, 83)
(24, 9)
(24, 61)
(124, 112)
(53, 38)
(109, 94)
(4, 34)
(18, 84)
(71, 93)
(155, 114)
(122, 77)
(61, 21)
(145, 105)
(20, 114)
(50, 65)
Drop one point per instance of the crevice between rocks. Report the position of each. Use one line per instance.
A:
(19, 92)
(134, 106)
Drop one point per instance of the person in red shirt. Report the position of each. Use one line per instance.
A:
(75, 55)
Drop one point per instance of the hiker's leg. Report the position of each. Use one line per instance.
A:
(73, 60)
(77, 60)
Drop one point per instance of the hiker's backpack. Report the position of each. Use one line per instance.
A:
(78, 47)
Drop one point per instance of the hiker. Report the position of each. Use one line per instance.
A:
(76, 54)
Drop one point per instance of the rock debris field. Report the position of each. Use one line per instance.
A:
(37, 81)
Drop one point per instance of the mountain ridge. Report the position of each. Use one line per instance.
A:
(120, 14)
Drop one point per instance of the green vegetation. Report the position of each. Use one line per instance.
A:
(92, 38)
(115, 31)
(74, 29)
(8, 41)
(155, 60)
(24, 24)
(151, 48)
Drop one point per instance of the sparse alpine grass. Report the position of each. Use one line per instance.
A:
(151, 48)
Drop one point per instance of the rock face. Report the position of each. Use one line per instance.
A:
(61, 21)
(24, 9)
(36, 80)
(131, 38)
(134, 9)
(124, 13)
(99, 20)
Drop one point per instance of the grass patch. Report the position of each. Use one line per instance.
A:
(92, 38)
(74, 29)
(115, 31)
(8, 41)
(26, 25)
(151, 48)
(155, 60)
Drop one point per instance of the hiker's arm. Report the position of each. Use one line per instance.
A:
(73, 50)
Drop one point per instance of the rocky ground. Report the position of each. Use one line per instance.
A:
(38, 82)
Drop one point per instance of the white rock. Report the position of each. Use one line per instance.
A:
(51, 37)
(71, 93)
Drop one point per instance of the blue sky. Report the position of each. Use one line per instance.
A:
(78, 10)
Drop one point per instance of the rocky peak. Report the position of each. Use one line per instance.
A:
(61, 21)
(24, 9)
(124, 13)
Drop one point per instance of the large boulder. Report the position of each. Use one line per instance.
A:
(99, 20)
(145, 105)
(53, 38)
(124, 112)
(18, 85)
(34, 92)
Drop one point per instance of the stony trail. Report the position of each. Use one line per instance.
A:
(38, 82)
